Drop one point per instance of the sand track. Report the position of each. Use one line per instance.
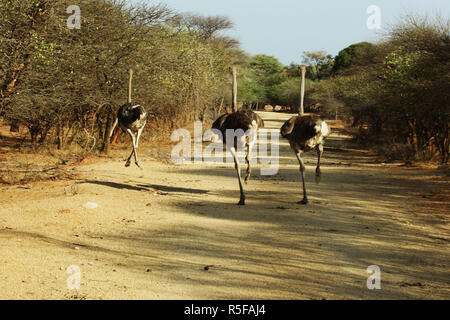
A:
(154, 231)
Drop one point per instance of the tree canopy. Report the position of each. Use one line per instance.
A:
(69, 81)
(349, 56)
(397, 92)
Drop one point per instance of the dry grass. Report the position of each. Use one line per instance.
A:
(22, 173)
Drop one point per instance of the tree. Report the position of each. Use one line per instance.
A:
(74, 80)
(319, 64)
(349, 56)
(259, 78)
(20, 23)
(397, 92)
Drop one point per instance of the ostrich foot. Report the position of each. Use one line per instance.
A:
(127, 164)
(247, 178)
(137, 163)
(241, 202)
(318, 176)
(304, 201)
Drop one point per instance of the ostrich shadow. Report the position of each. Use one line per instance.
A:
(147, 187)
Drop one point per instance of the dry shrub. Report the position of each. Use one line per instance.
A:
(396, 151)
(25, 173)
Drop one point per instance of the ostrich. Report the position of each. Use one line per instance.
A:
(305, 133)
(244, 120)
(131, 118)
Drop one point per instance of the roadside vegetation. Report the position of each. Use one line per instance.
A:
(64, 86)
(397, 92)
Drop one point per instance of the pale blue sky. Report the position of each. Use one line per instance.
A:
(286, 28)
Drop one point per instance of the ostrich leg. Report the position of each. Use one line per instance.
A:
(247, 159)
(133, 140)
(238, 170)
(137, 144)
(319, 149)
(127, 164)
(139, 135)
(302, 171)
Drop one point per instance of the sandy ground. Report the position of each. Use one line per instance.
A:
(174, 232)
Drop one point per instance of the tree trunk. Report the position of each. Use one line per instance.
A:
(116, 134)
(60, 134)
(106, 140)
(44, 134)
(34, 132)
(14, 127)
(220, 108)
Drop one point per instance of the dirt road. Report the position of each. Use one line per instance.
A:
(174, 232)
